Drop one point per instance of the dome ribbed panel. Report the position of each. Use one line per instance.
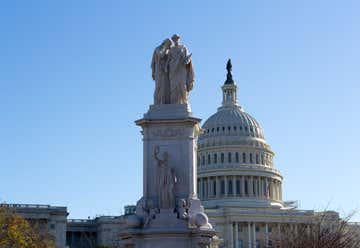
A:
(233, 117)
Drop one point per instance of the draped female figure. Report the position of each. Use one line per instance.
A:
(160, 72)
(181, 73)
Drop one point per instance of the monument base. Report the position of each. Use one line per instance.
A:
(170, 238)
(169, 214)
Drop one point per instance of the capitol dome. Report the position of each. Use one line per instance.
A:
(235, 164)
(233, 119)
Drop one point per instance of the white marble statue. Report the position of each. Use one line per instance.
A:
(166, 181)
(172, 71)
(159, 72)
(181, 73)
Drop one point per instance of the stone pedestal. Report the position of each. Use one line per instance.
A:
(169, 138)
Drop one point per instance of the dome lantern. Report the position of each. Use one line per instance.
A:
(229, 88)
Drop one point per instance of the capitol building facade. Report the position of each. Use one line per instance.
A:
(237, 182)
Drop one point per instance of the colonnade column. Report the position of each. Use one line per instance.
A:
(267, 188)
(254, 234)
(279, 233)
(236, 236)
(251, 184)
(226, 186)
(266, 235)
(205, 188)
(200, 189)
(242, 186)
(234, 185)
(208, 187)
(255, 186)
(308, 230)
(249, 235)
(231, 234)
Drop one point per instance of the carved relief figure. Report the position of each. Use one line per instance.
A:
(166, 180)
(160, 73)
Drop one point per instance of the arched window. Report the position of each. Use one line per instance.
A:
(198, 187)
(237, 157)
(257, 158)
(238, 187)
(204, 188)
(214, 187)
(217, 129)
(215, 158)
(222, 187)
(230, 188)
(244, 157)
(203, 160)
(222, 158)
(251, 158)
(198, 161)
(246, 187)
(209, 159)
(262, 158)
(229, 157)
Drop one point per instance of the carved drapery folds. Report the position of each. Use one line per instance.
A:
(172, 72)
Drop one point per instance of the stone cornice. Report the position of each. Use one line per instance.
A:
(220, 170)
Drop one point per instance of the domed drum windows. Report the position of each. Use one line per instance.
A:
(261, 158)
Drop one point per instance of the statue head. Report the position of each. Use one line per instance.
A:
(166, 44)
(176, 39)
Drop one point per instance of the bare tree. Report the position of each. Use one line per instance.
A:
(324, 230)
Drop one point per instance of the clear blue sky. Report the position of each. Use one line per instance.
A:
(74, 75)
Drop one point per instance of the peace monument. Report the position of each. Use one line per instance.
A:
(169, 214)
